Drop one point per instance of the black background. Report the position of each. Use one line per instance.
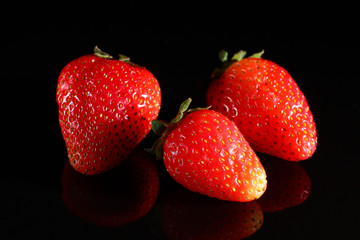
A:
(178, 43)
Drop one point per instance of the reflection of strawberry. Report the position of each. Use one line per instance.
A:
(289, 185)
(115, 198)
(105, 109)
(188, 215)
(266, 104)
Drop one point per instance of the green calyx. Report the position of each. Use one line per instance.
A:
(101, 54)
(105, 55)
(226, 62)
(163, 129)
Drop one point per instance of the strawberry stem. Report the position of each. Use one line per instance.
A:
(163, 129)
(183, 107)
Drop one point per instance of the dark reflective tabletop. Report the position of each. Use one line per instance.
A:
(45, 198)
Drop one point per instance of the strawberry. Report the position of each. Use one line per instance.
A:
(105, 109)
(205, 152)
(266, 104)
(188, 215)
(289, 185)
(116, 197)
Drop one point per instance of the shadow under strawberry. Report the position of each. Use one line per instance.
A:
(190, 215)
(288, 184)
(115, 198)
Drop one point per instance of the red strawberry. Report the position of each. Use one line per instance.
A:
(114, 198)
(266, 104)
(205, 152)
(188, 215)
(289, 185)
(105, 109)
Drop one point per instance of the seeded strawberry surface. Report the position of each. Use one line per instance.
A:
(207, 154)
(268, 107)
(105, 110)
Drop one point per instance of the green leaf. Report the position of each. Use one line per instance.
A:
(257, 55)
(223, 55)
(239, 55)
(101, 54)
(123, 58)
(158, 127)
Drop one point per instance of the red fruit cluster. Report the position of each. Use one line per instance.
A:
(108, 106)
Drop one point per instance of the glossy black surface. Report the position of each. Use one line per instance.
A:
(179, 45)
